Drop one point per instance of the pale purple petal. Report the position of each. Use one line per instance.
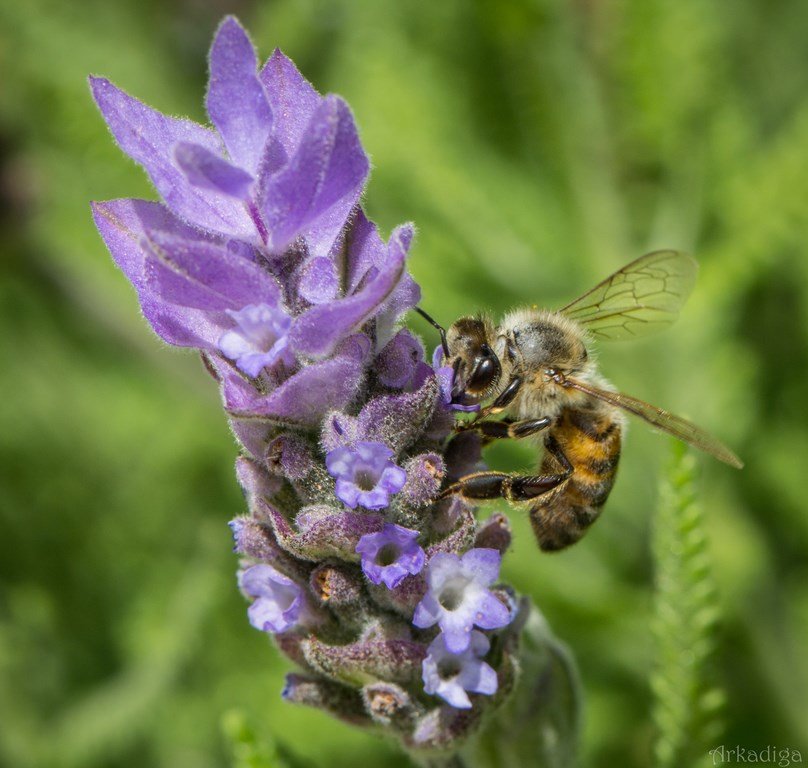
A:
(479, 679)
(233, 345)
(450, 675)
(483, 564)
(149, 138)
(259, 580)
(279, 600)
(365, 474)
(205, 169)
(348, 493)
(458, 596)
(236, 102)
(266, 616)
(392, 479)
(442, 567)
(263, 329)
(390, 555)
(457, 628)
(480, 644)
(427, 612)
(339, 461)
(377, 498)
(376, 453)
(492, 613)
(453, 693)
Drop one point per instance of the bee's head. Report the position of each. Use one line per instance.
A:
(469, 342)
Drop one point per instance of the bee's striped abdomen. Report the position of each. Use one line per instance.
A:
(591, 442)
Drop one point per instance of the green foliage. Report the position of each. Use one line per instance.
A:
(537, 144)
(686, 611)
(249, 750)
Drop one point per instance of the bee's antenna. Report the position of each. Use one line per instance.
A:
(439, 327)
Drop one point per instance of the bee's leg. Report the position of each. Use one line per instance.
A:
(508, 428)
(502, 401)
(494, 485)
(554, 449)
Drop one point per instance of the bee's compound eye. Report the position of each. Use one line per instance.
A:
(486, 372)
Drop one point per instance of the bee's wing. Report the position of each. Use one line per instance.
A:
(643, 297)
(668, 422)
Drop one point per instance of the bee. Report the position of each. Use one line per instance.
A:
(536, 369)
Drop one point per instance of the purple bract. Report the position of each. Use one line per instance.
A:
(391, 555)
(365, 475)
(458, 598)
(450, 675)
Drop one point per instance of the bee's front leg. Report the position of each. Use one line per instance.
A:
(500, 403)
(503, 399)
(507, 428)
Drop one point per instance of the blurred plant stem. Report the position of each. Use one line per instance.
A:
(684, 627)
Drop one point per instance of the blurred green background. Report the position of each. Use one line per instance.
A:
(538, 145)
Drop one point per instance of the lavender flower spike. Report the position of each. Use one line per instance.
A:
(449, 675)
(458, 598)
(365, 475)
(280, 601)
(259, 256)
(391, 555)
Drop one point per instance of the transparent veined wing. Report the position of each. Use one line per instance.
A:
(661, 419)
(643, 297)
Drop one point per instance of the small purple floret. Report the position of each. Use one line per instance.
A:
(458, 598)
(365, 475)
(260, 339)
(449, 675)
(279, 603)
(391, 555)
